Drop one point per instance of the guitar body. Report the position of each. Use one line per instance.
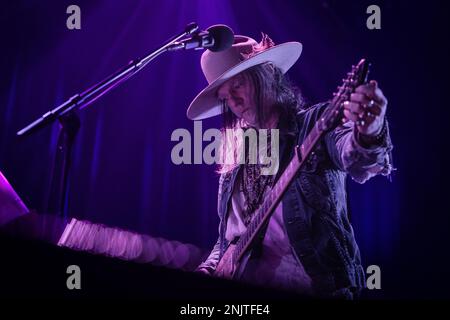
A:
(226, 267)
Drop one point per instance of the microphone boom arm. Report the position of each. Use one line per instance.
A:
(70, 122)
(87, 97)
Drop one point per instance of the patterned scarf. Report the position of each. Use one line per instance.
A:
(254, 185)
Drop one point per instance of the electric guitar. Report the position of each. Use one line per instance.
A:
(330, 119)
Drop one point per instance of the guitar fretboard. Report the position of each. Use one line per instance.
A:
(275, 195)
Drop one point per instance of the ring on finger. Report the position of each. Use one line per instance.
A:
(363, 105)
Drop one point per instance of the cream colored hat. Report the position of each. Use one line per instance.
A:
(220, 66)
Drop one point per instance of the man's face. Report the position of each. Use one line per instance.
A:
(238, 94)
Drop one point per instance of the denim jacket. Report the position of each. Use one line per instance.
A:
(315, 212)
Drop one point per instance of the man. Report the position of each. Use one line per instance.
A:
(308, 245)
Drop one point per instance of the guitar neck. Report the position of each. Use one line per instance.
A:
(263, 213)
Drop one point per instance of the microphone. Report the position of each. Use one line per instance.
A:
(216, 38)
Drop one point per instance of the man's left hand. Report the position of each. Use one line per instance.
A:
(366, 108)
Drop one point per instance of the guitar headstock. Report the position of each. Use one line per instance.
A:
(357, 76)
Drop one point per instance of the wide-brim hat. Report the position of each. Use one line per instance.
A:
(218, 67)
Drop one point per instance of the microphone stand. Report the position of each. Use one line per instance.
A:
(70, 122)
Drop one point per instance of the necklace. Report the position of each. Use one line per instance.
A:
(254, 186)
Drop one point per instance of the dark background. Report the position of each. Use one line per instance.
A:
(122, 174)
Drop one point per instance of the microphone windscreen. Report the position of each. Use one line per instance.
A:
(223, 37)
